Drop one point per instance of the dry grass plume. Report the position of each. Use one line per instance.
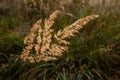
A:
(39, 45)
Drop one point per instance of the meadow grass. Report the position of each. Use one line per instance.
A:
(91, 51)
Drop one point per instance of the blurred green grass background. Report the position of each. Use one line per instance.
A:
(94, 53)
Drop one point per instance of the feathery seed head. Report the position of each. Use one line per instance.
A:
(45, 48)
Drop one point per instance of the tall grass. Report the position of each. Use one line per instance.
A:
(94, 53)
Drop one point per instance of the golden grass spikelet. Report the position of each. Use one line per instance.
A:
(74, 27)
(40, 40)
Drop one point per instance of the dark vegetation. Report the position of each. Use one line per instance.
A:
(94, 53)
